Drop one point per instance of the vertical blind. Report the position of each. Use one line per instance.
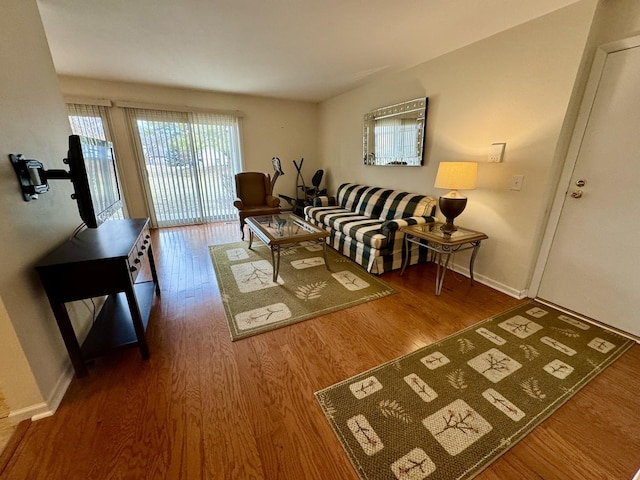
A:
(397, 140)
(189, 161)
(92, 121)
(89, 121)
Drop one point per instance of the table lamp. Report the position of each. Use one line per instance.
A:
(454, 176)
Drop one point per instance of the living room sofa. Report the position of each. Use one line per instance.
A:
(364, 222)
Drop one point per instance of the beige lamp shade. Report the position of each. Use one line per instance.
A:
(457, 175)
(454, 176)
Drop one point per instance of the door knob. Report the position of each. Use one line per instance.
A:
(581, 183)
(576, 194)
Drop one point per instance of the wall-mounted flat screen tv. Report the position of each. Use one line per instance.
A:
(92, 167)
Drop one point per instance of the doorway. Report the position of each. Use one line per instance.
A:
(188, 162)
(593, 250)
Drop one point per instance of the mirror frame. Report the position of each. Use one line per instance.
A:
(416, 108)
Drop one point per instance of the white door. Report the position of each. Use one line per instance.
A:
(593, 266)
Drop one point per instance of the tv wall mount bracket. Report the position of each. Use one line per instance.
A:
(33, 178)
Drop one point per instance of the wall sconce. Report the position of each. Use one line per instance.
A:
(454, 176)
(33, 177)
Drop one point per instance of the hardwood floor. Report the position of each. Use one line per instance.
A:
(6, 428)
(203, 407)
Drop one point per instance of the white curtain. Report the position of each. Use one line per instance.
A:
(189, 160)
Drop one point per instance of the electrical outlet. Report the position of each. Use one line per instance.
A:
(516, 182)
(496, 152)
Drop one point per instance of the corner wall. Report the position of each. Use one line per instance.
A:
(33, 121)
(514, 87)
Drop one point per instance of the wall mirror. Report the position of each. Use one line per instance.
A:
(394, 135)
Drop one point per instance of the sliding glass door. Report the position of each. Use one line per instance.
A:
(189, 161)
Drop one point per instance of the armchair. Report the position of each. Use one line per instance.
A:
(254, 198)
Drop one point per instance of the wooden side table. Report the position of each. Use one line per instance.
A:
(442, 246)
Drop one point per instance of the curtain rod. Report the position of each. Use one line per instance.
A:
(174, 108)
(101, 102)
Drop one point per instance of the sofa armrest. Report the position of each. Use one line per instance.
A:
(391, 226)
(325, 201)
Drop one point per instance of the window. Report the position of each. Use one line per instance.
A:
(396, 139)
(91, 121)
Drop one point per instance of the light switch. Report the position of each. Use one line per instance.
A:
(516, 182)
(496, 152)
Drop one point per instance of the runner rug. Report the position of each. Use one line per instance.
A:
(448, 410)
(253, 303)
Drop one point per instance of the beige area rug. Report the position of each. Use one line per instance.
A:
(253, 303)
(446, 411)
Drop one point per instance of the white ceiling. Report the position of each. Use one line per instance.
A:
(297, 49)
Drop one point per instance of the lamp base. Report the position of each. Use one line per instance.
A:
(451, 208)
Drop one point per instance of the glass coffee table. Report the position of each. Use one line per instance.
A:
(284, 229)
(442, 245)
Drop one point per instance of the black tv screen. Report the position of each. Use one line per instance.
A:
(93, 173)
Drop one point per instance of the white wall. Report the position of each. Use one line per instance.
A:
(514, 87)
(33, 122)
(615, 20)
(271, 127)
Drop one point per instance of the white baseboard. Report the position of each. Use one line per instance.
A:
(489, 282)
(44, 410)
(37, 411)
(56, 396)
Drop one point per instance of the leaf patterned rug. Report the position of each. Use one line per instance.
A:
(446, 411)
(253, 303)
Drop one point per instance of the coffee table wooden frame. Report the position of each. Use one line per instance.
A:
(284, 229)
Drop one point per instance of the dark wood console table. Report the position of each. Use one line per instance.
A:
(96, 262)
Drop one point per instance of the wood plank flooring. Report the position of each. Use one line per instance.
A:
(203, 407)
(6, 427)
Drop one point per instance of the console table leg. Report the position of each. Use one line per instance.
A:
(70, 339)
(152, 265)
(138, 326)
